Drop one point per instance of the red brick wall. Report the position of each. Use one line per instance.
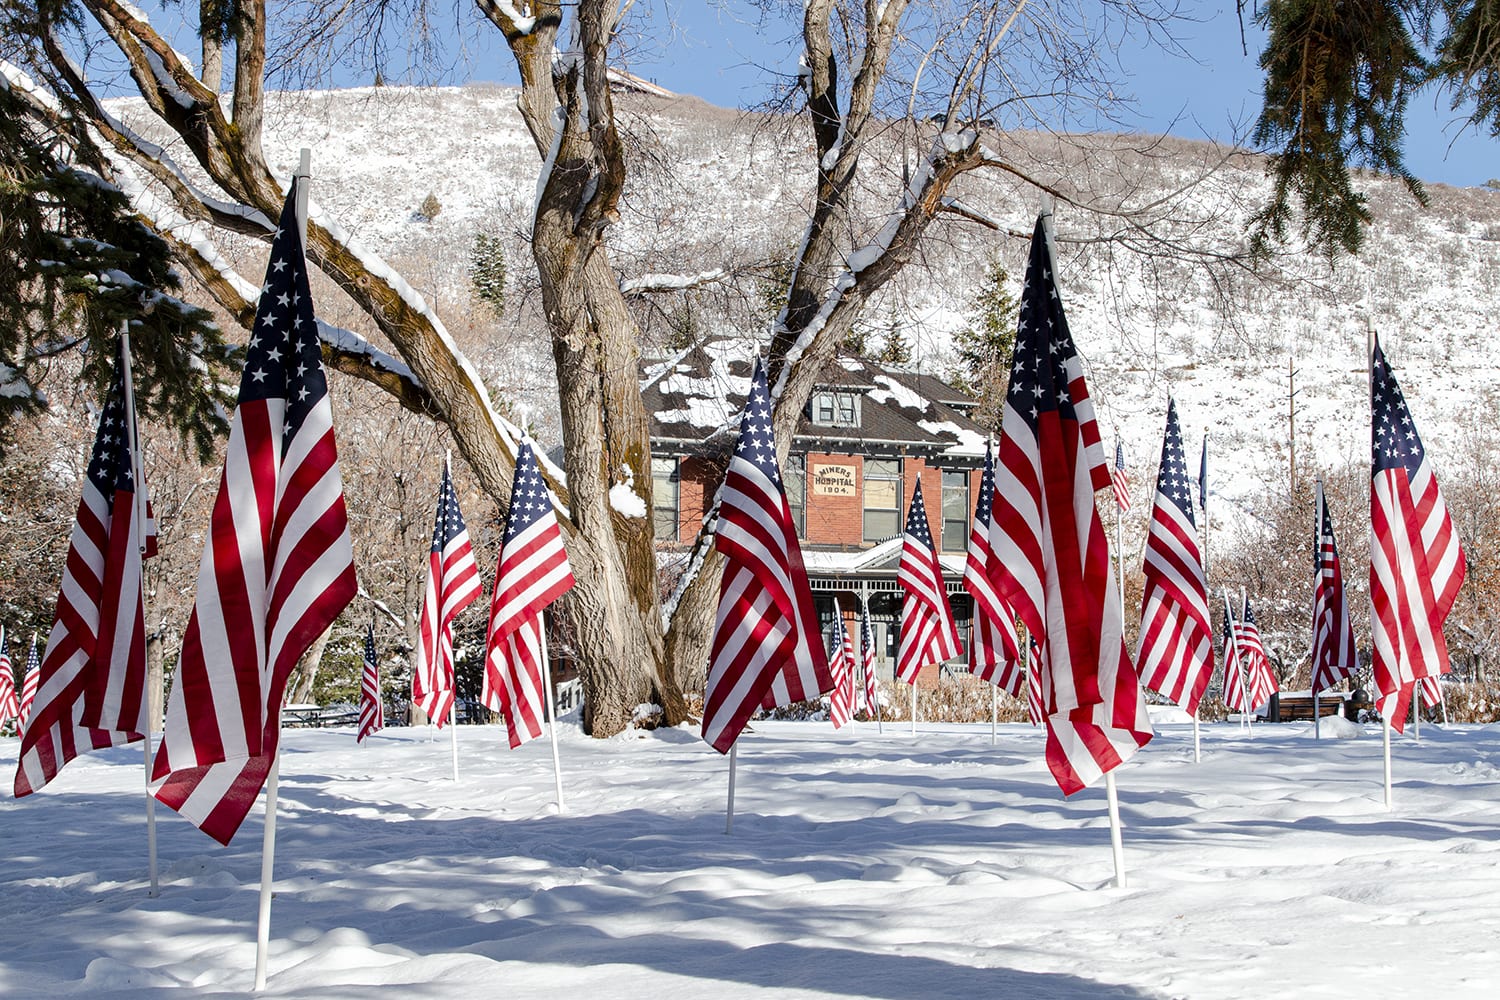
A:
(835, 520)
(697, 483)
(829, 520)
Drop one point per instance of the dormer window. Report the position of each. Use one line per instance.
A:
(835, 409)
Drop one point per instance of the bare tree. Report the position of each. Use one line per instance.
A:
(925, 83)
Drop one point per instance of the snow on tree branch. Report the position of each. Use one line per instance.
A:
(648, 284)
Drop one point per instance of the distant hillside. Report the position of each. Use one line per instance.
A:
(715, 186)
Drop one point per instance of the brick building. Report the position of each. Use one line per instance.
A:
(869, 434)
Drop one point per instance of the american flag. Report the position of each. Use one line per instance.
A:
(767, 648)
(90, 688)
(1052, 548)
(1416, 562)
(277, 568)
(1429, 691)
(1120, 479)
(533, 572)
(10, 708)
(928, 634)
(1033, 682)
(452, 585)
(867, 661)
(994, 647)
(841, 666)
(1260, 680)
(1175, 653)
(371, 707)
(1234, 665)
(29, 683)
(1333, 656)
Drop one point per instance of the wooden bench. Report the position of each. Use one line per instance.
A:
(1299, 707)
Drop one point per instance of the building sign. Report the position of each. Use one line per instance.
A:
(833, 481)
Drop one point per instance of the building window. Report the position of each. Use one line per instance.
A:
(882, 499)
(665, 497)
(955, 511)
(835, 409)
(794, 476)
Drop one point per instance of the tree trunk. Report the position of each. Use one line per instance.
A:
(306, 670)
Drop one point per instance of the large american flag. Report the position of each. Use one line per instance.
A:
(928, 634)
(533, 572)
(90, 689)
(277, 567)
(452, 585)
(994, 647)
(1260, 679)
(1120, 479)
(371, 706)
(1175, 653)
(767, 647)
(10, 707)
(1333, 656)
(841, 666)
(1234, 665)
(867, 661)
(1416, 562)
(1051, 544)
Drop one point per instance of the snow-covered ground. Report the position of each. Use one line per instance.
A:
(861, 864)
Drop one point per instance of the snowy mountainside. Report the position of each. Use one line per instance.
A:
(712, 186)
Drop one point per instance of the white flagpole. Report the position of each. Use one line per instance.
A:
(1249, 715)
(1416, 711)
(548, 693)
(139, 517)
(267, 862)
(268, 842)
(453, 710)
(1385, 724)
(729, 806)
(994, 714)
(914, 704)
(453, 730)
(1318, 561)
(1385, 737)
(1116, 842)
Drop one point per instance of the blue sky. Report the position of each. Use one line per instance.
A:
(711, 52)
(722, 60)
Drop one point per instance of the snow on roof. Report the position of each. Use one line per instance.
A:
(699, 393)
(839, 563)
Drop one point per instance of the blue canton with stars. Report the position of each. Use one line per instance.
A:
(757, 443)
(449, 523)
(986, 501)
(1394, 436)
(1324, 560)
(283, 360)
(529, 502)
(1172, 479)
(1038, 376)
(916, 518)
(109, 463)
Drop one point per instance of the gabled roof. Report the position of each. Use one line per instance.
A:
(695, 398)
